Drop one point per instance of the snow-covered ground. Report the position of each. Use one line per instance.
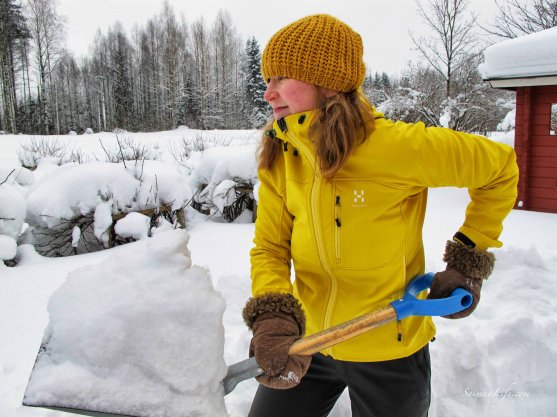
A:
(501, 361)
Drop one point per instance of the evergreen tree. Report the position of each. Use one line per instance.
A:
(123, 98)
(257, 108)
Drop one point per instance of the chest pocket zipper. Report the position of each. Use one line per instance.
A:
(337, 228)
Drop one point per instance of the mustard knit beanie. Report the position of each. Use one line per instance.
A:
(317, 49)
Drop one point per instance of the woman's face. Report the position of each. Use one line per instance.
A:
(288, 96)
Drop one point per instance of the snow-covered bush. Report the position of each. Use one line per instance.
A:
(88, 131)
(12, 215)
(73, 209)
(183, 150)
(12, 208)
(35, 149)
(127, 148)
(224, 178)
(508, 122)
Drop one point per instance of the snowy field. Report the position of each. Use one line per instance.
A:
(502, 361)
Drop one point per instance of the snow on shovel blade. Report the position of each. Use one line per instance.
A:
(123, 336)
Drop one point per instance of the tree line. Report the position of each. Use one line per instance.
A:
(165, 74)
(169, 72)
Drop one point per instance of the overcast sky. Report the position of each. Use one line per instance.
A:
(383, 24)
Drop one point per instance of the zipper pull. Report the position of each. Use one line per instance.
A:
(282, 125)
(399, 325)
(337, 203)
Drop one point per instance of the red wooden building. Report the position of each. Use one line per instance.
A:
(528, 65)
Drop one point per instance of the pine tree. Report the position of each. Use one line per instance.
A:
(257, 108)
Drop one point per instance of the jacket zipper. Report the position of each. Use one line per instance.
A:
(314, 195)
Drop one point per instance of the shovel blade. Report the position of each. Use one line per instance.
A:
(80, 412)
(239, 372)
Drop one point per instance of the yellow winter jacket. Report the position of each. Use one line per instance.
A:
(355, 241)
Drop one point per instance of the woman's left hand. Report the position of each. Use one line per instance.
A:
(444, 283)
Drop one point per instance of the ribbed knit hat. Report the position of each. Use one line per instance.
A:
(317, 49)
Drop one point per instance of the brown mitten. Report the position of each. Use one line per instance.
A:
(277, 321)
(467, 267)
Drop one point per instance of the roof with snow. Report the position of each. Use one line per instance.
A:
(527, 60)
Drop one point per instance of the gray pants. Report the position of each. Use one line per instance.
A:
(396, 388)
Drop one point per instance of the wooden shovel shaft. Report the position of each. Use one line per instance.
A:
(344, 331)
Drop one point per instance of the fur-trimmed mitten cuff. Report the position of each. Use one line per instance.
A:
(469, 261)
(274, 303)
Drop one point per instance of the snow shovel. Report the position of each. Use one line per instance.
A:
(407, 306)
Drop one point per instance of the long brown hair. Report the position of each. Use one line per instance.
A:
(340, 124)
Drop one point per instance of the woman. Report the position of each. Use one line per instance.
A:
(342, 197)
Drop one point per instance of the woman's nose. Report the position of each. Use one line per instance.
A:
(270, 92)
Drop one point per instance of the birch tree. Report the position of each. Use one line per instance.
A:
(518, 17)
(13, 37)
(452, 38)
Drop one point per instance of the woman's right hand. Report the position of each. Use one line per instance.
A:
(273, 334)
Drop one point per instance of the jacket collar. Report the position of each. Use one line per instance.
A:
(294, 127)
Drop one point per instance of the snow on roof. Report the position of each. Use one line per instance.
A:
(532, 55)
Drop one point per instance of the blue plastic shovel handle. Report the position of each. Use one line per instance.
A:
(409, 305)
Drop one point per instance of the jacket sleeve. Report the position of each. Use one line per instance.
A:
(270, 257)
(442, 157)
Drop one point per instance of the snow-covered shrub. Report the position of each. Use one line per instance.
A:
(508, 122)
(224, 178)
(73, 209)
(187, 151)
(12, 216)
(18, 176)
(127, 148)
(32, 151)
(88, 131)
(12, 210)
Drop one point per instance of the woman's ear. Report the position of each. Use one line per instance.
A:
(328, 93)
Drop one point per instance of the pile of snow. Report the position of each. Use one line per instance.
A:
(531, 55)
(505, 363)
(139, 333)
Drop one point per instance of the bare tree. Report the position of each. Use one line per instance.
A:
(200, 88)
(226, 45)
(173, 53)
(13, 35)
(518, 17)
(48, 36)
(453, 39)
